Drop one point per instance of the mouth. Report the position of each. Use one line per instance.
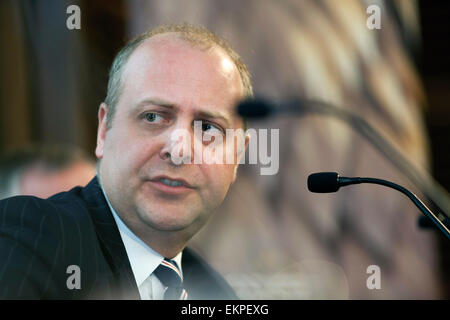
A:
(171, 185)
(172, 182)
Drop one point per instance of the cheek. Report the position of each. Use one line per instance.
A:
(219, 178)
(126, 154)
(138, 157)
(222, 151)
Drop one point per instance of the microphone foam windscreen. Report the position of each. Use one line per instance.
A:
(254, 108)
(323, 182)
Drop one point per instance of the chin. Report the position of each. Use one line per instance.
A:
(162, 222)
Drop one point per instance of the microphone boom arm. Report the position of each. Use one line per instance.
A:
(344, 181)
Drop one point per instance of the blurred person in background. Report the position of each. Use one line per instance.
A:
(43, 170)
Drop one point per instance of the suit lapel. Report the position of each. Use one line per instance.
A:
(111, 242)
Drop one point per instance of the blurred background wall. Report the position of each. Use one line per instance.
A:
(272, 238)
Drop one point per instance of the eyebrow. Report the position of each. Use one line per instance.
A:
(156, 102)
(202, 113)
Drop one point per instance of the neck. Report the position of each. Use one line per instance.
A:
(166, 243)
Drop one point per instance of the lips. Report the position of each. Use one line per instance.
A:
(173, 182)
(171, 186)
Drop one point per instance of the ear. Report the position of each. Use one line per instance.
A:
(101, 131)
(239, 156)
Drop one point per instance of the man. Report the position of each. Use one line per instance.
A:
(43, 170)
(124, 235)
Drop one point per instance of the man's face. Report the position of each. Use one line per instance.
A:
(167, 85)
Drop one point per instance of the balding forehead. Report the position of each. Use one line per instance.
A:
(197, 41)
(168, 39)
(158, 37)
(175, 41)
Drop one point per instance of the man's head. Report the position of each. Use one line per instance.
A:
(169, 80)
(43, 170)
(195, 35)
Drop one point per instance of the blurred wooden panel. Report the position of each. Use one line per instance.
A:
(15, 122)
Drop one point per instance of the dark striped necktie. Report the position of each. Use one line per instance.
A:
(170, 276)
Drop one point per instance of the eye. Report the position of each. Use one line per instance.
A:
(211, 128)
(153, 117)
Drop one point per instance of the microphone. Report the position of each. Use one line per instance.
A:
(323, 182)
(255, 109)
(326, 182)
(259, 108)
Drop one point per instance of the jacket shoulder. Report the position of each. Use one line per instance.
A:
(55, 217)
(37, 239)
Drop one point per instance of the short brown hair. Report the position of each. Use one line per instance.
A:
(198, 36)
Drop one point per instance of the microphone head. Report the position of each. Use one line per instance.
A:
(254, 108)
(323, 182)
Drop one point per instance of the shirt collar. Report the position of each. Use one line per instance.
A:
(143, 259)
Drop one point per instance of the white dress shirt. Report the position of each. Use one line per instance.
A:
(143, 260)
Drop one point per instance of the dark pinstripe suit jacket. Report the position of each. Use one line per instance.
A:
(40, 239)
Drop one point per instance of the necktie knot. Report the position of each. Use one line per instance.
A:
(170, 276)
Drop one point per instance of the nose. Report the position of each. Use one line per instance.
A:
(178, 146)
